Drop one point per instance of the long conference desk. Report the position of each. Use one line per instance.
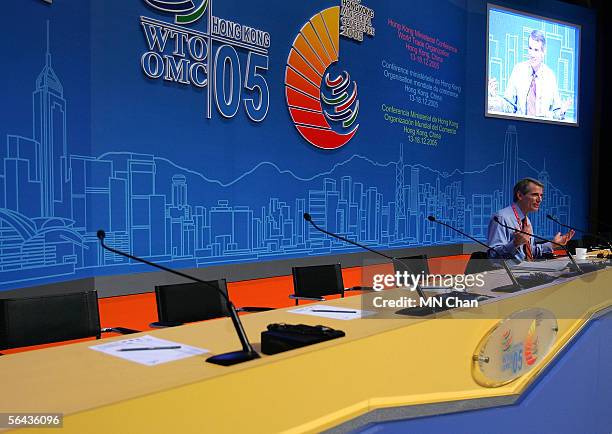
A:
(389, 368)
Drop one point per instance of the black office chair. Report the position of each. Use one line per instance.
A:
(26, 321)
(479, 263)
(315, 282)
(188, 302)
(415, 264)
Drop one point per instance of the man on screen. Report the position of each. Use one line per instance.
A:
(506, 243)
(532, 87)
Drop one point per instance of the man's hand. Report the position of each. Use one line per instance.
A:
(563, 239)
(520, 239)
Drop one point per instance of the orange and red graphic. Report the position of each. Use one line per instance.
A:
(506, 340)
(531, 345)
(315, 48)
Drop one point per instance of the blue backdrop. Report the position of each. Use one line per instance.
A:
(184, 140)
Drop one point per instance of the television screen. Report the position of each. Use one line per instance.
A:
(532, 67)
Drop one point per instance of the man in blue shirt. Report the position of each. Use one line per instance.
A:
(532, 87)
(506, 243)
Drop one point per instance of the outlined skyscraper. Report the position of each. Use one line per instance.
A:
(400, 202)
(49, 130)
(510, 172)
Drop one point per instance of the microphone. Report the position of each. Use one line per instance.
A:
(516, 286)
(514, 106)
(308, 218)
(227, 359)
(412, 311)
(569, 255)
(554, 219)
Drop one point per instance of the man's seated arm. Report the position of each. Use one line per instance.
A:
(500, 103)
(558, 105)
(561, 108)
(503, 246)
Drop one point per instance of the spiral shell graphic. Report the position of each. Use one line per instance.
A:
(315, 48)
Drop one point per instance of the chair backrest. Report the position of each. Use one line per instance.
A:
(417, 264)
(26, 321)
(318, 280)
(478, 263)
(188, 302)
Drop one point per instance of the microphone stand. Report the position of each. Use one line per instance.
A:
(515, 284)
(226, 359)
(548, 216)
(417, 286)
(569, 255)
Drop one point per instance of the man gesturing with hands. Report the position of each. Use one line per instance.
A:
(508, 244)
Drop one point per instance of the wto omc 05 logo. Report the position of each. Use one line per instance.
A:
(227, 60)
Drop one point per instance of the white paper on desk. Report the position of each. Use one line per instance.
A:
(541, 266)
(342, 313)
(148, 357)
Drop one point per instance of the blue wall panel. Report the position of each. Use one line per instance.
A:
(189, 167)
